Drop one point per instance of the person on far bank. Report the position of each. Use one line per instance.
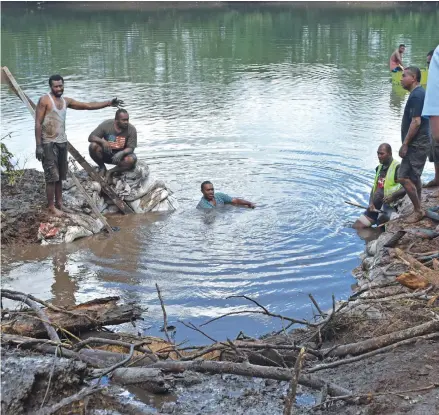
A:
(113, 142)
(415, 141)
(395, 62)
(212, 200)
(431, 111)
(51, 138)
(385, 191)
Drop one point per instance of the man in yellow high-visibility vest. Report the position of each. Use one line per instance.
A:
(385, 191)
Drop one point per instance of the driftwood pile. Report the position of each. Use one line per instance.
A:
(391, 315)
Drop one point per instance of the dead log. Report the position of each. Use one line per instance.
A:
(365, 346)
(150, 379)
(93, 357)
(90, 315)
(44, 318)
(246, 369)
(431, 275)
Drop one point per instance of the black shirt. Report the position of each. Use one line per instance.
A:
(413, 108)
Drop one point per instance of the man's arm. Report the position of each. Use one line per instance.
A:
(131, 144)
(97, 137)
(40, 113)
(242, 202)
(77, 105)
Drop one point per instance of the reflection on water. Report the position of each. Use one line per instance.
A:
(281, 107)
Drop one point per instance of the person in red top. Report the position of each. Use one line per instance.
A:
(395, 62)
(113, 142)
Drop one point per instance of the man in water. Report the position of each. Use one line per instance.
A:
(431, 111)
(113, 142)
(395, 62)
(212, 200)
(51, 138)
(385, 190)
(415, 141)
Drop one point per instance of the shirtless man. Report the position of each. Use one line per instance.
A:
(395, 62)
(51, 139)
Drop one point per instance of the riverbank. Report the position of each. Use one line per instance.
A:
(376, 352)
(154, 6)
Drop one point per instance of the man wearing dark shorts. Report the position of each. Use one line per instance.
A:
(113, 142)
(51, 139)
(415, 141)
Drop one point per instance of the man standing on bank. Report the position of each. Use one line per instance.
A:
(415, 141)
(113, 142)
(51, 138)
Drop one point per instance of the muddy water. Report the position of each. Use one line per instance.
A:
(284, 107)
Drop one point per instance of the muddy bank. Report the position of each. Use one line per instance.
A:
(25, 219)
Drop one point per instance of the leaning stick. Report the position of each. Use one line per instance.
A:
(91, 202)
(361, 206)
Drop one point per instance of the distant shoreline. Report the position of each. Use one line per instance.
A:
(208, 5)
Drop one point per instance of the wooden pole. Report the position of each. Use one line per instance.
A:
(91, 202)
(7, 78)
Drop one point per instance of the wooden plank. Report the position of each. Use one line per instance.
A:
(91, 202)
(6, 77)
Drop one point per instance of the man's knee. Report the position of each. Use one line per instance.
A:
(94, 148)
(130, 160)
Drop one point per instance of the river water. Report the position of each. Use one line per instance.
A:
(282, 106)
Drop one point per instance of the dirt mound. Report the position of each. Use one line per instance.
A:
(22, 208)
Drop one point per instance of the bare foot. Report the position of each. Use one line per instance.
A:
(431, 183)
(55, 212)
(64, 208)
(415, 217)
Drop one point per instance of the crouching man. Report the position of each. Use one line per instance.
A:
(385, 191)
(113, 142)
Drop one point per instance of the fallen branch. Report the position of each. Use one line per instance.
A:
(247, 369)
(381, 341)
(85, 316)
(67, 401)
(39, 312)
(165, 319)
(431, 275)
(369, 396)
(372, 353)
(291, 396)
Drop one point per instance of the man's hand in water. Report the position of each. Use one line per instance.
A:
(118, 157)
(39, 152)
(117, 102)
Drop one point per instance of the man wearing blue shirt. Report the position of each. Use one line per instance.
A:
(212, 200)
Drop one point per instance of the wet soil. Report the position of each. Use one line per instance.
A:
(23, 208)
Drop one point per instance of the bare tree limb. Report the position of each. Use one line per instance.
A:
(67, 401)
(372, 353)
(34, 306)
(291, 396)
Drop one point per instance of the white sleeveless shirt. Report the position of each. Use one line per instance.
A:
(54, 124)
